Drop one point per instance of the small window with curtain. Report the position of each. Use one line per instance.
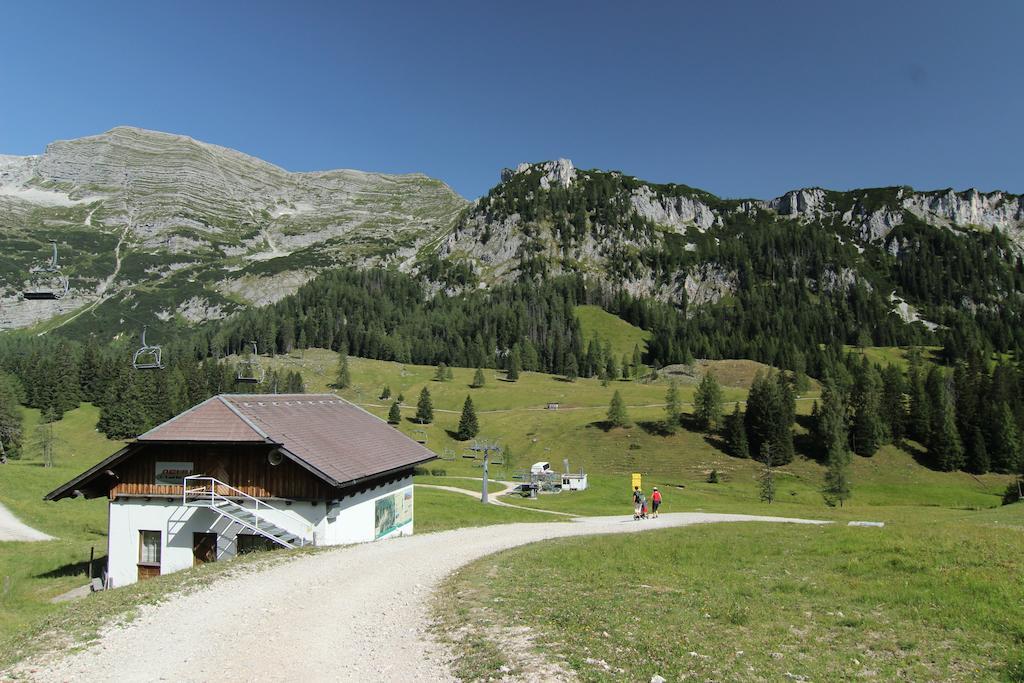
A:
(149, 548)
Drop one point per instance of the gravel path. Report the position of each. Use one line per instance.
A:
(353, 614)
(11, 529)
(493, 498)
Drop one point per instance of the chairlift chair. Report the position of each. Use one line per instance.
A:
(249, 370)
(47, 282)
(148, 356)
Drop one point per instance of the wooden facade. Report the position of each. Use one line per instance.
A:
(243, 466)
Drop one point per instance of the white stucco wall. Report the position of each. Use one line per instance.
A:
(352, 520)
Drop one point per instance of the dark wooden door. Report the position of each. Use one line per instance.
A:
(204, 548)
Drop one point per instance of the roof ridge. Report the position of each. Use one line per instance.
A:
(242, 417)
(176, 417)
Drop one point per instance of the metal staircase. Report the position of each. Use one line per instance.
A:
(242, 509)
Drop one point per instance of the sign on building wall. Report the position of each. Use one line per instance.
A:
(171, 473)
(393, 512)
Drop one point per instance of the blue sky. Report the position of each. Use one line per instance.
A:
(741, 99)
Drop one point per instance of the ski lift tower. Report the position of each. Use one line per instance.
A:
(485, 447)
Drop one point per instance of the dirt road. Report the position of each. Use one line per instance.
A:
(359, 613)
(11, 529)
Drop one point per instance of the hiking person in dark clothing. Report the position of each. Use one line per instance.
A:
(637, 502)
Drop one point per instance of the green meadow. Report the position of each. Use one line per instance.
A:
(768, 578)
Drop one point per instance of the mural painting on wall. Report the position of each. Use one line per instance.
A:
(393, 512)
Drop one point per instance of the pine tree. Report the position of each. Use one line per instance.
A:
(611, 369)
(945, 448)
(11, 419)
(736, 434)
(769, 419)
(617, 416)
(708, 403)
(625, 366)
(478, 379)
(767, 478)
(425, 408)
(672, 405)
(977, 453)
(468, 426)
(893, 408)
(867, 430)
(449, 374)
(45, 440)
(343, 379)
(637, 361)
(441, 372)
(833, 431)
(920, 408)
(385, 393)
(514, 364)
(571, 369)
(395, 413)
(1004, 442)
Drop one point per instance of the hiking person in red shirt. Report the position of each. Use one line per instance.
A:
(655, 502)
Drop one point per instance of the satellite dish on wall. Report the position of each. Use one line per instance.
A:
(275, 457)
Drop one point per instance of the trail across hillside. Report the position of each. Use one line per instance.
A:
(12, 529)
(353, 614)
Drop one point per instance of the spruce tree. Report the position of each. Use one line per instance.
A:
(514, 365)
(977, 453)
(1004, 442)
(468, 427)
(672, 405)
(625, 366)
(385, 393)
(478, 379)
(708, 403)
(637, 361)
(920, 407)
(441, 372)
(617, 416)
(767, 477)
(449, 374)
(11, 418)
(571, 369)
(769, 419)
(425, 408)
(867, 430)
(736, 434)
(343, 379)
(893, 407)
(945, 448)
(833, 430)
(611, 370)
(395, 413)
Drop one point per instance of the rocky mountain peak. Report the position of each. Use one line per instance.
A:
(558, 172)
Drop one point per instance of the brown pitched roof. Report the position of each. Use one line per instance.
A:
(211, 420)
(336, 440)
(339, 439)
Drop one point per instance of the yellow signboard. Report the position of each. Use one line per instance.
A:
(636, 481)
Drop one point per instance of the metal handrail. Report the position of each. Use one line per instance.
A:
(209, 491)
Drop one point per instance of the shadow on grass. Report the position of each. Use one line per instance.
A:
(606, 426)
(656, 428)
(75, 569)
